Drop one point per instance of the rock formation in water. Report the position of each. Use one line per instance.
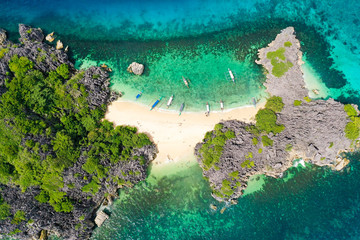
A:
(303, 128)
(136, 68)
(41, 218)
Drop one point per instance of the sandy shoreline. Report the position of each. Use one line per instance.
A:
(174, 135)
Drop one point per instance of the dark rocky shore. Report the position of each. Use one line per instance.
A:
(314, 130)
(42, 215)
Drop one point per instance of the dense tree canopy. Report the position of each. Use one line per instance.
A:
(45, 122)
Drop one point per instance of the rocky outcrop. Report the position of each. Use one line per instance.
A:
(50, 37)
(314, 129)
(29, 34)
(101, 217)
(59, 45)
(2, 37)
(136, 68)
(97, 81)
(43, 56)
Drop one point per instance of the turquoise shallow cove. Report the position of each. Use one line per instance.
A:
(199, 40)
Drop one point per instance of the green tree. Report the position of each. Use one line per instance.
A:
(266, 121)
(275, 104)
(63, 71)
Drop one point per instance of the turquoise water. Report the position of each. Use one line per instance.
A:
(307, 203)
(199, 40)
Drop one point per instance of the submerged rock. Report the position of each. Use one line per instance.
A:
(136, 68)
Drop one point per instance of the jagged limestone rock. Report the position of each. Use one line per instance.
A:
(136, 68)
(2, 36)
(314, 130)
(29, 34)
(59, 45)
(50, 37)
(101, 217)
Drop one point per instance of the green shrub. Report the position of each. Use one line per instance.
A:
(252, 129)
(307, 99)
(247, 163)
(4, 210)
(19, 66)
(351, 131)
(63, 71)
(18, 217)
(260, 150)
(275, 104)
(297, 103)
(266, 141)
(40, 58)
(279, 63)
(92, 187)
(226, 188)
(213, 145)
(350, 110)
(15, 231)
(288, 147)
(287, 44)
(3, 52)
(218, 127)
(78, 226)
(234, 174)
(331, 145)
(249, 155)
(255, 141)
(266, 121)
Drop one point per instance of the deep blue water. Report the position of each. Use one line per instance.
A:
(316, 204)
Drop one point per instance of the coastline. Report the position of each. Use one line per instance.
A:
(174, 135)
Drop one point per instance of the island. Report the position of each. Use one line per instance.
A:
(291, 129)
(59, 159)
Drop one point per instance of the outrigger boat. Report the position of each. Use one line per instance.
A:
(186, 82)
(170, 101)
(207, 109)
(139, 94)
(221, 105)
(231, 75)
(155, 103)
(254, 101)
(181, 108)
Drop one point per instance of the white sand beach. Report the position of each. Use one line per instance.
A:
(174, 135)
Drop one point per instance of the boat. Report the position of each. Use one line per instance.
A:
(186, 82)
(231, 75)
(170, 101)
(221, 105)
(155, 103)
(139, 95)
(181, 108)
(207, 109)
(254, 101)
